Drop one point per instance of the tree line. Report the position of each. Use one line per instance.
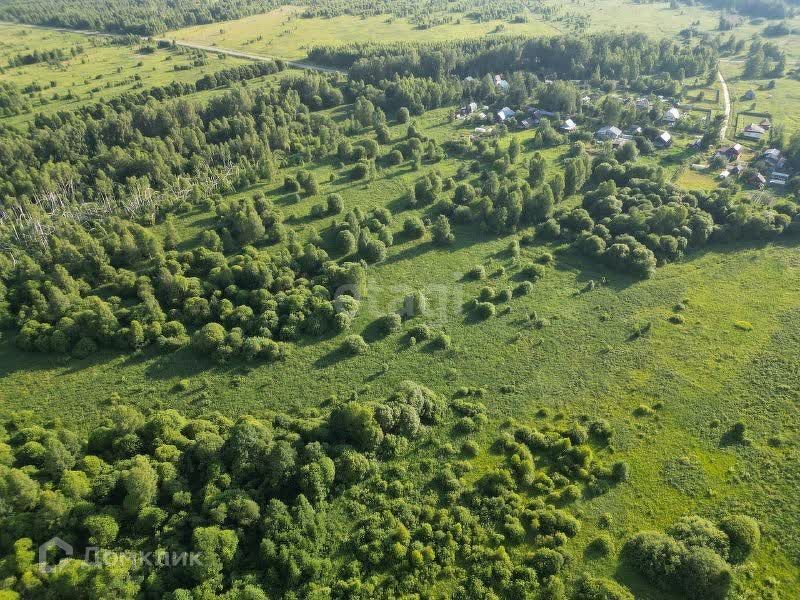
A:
(604, 56)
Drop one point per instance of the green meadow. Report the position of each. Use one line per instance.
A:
(672, 362)
(101, 71)
(670, 395)
(283, 33)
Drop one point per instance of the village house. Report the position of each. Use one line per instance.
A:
(621, 140)
(773, 157)
(467, 110)
(568, 125)
(672, 116)
(664, 140)
(779, 179)
(609, 132)
(642, 104)
(501, 83)
(753, 132)
(756, 179)
(736, 169)
(505, 113)
(730, 153)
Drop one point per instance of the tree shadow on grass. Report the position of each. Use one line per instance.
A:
(374, 331)
(184, 364)
(332, 358)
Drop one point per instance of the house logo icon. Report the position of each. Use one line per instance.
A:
(45, 548)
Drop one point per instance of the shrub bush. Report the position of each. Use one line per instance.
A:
(596, 588)
(470, 449)
(390, 323)
(485, 310)
(533, 271)
(486, 294)
(420, 332)
(442, 341)
(523, 289)
(355, 344)
(602, 545)
(546, 562)
(477, 272)
(503, 295)
(743, 533)
(413, 227)
(335, 204)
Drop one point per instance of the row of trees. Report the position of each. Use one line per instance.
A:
(37, 56)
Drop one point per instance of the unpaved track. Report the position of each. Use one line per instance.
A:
(296, 64)
(726, 101)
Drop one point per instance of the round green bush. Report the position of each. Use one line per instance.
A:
(477, 272)
(485, 310)
(533, 271)
(744, 534)
(523, 289)
(390, 323)
(413, 227)
(335, 204)
(442, 341)
(355, 345)
(470, 449)
(602, 545)
(420, 332)
(486, 294)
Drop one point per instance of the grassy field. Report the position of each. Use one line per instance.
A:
(782, 101)
(101, 71)
(284, 34)
(696, 378)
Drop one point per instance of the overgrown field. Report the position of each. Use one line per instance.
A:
(670, 395)
(284, 33)
(344, 349)
(98, 69)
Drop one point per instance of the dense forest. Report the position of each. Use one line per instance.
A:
(124, 16)
(606, 56)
